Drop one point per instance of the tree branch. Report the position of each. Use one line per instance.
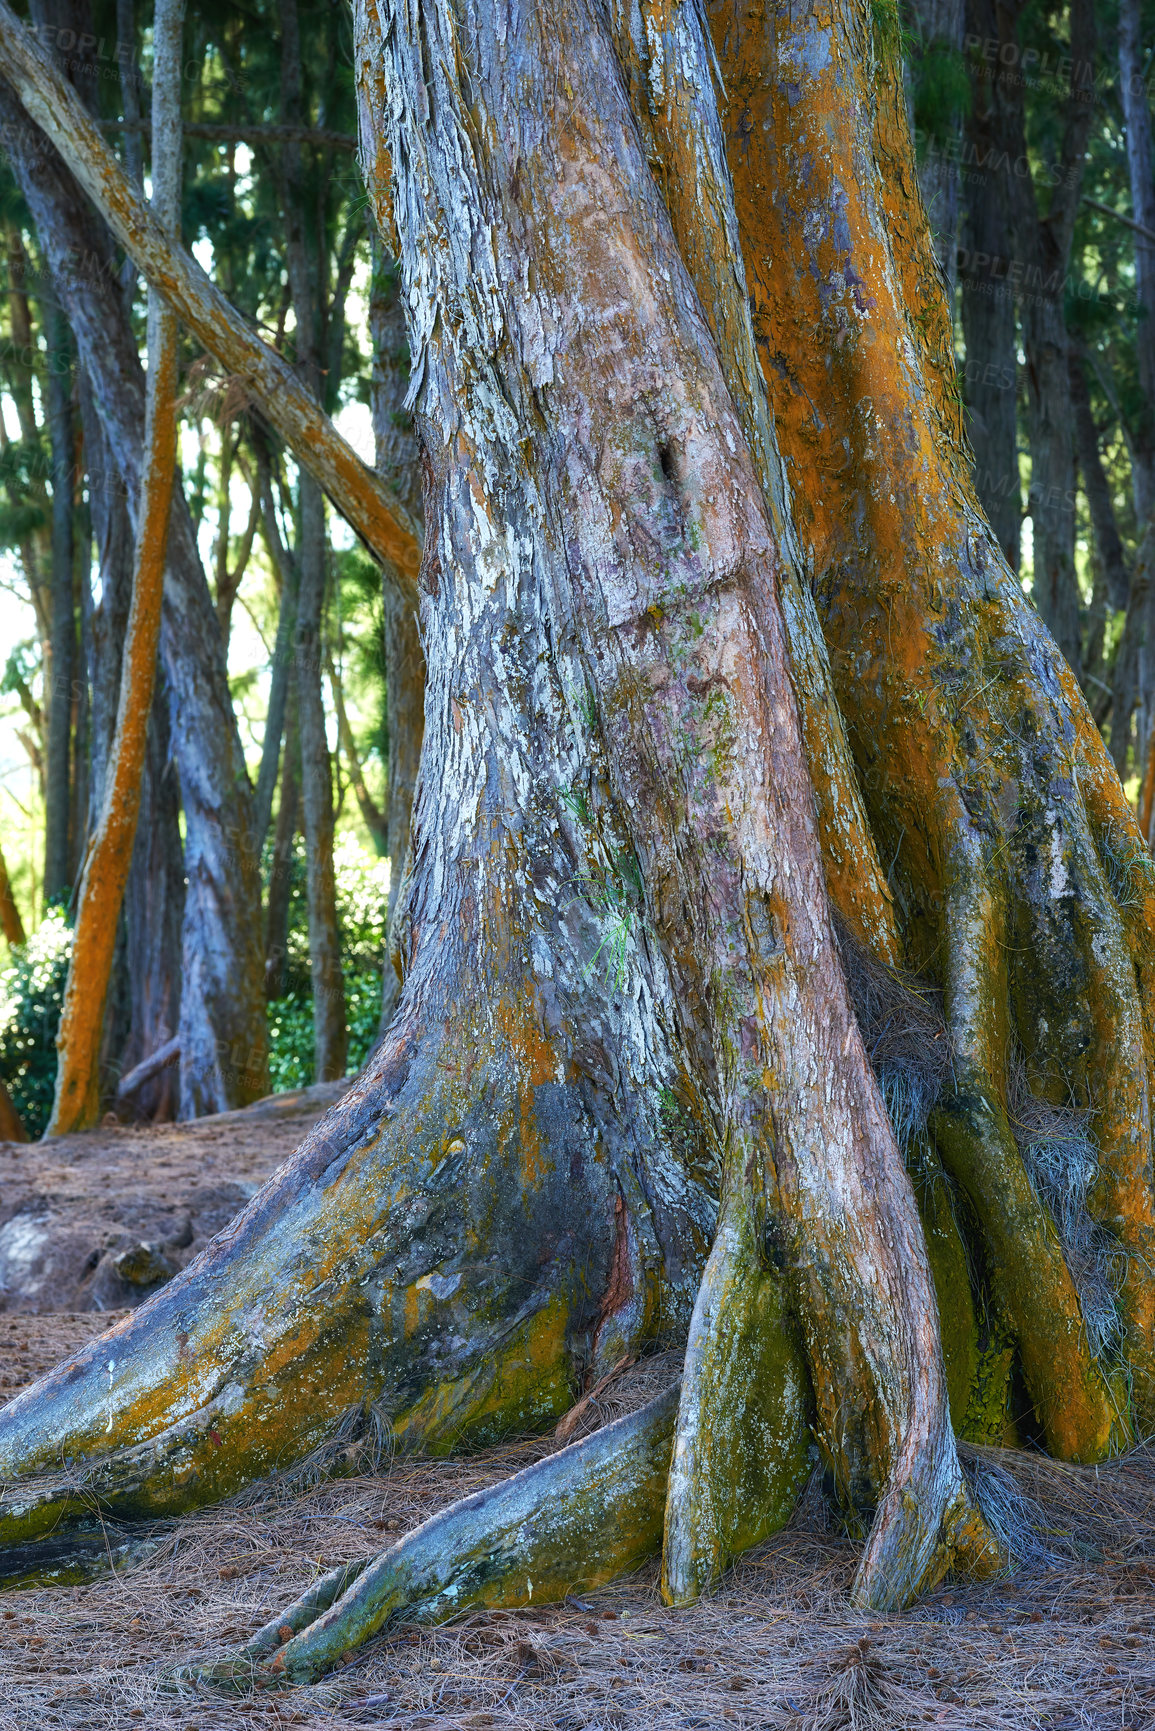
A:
(356, 491)
(321, 136)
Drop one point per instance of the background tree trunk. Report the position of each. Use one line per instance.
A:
(1045, 242)
(109, 857)
(398, 463)
(330, 1040)
(58, 804)
(986, 272)
(223, 1035)
(1141, 168)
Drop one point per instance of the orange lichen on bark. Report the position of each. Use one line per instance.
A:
(942, 670)
(77, 1101)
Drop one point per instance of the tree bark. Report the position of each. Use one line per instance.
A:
(267, 379)
(76, 1104)
(399, 463)
(281, 672)
(1141, 171)
(330, 1039)
(986, 271)
(223, 1036)
(10, 922)
(58, 804)
(965, 720)
(621, 964)
(281, 864)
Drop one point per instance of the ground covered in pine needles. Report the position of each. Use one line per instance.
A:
(1066, 1641)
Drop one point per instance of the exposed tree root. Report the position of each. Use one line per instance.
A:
(576, 1519)
(741, 1444)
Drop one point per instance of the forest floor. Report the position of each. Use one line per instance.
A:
(1067, 1642)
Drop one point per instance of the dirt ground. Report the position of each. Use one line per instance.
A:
(1065, 1642)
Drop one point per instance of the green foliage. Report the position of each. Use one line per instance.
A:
(362, 884)
(291, 1031)
(942, 92)
(31, 993)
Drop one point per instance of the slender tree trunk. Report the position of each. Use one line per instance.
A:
(281, 672)
(1046, 246)
(109, 858)
(1141, 169)
(330, 1038)
(375, 820)
(398, 462)
(986, 270)
(223, 1035)
(1115, 578)
(10, 922)
(58, 805)
(938, 64)
(154, 914)
(281, 865)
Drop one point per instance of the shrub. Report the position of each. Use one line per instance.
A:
(291, 1031)
(31, 993)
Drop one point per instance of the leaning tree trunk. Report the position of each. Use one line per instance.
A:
(1023, 882)
(223, 1038)
(622, 974)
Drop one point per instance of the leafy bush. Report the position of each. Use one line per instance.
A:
(291, 1031)
(31, 993)
(362, 886)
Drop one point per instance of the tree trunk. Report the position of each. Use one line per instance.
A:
(374, 819)
(1115, 577)
(223, 1036)
(10, 922)
(330, 1039)
(398, 463)
(987, 271)
(329, 1032)
(281, 672)
(107, 864)
(621, 961)
(1026, 890)
(1141, 169)
(154, 914)
(58, 804)
(938, 74)
(281, 864)
(1046, 246)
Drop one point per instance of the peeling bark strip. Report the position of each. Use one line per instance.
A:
(270, 381)
(77, 1099)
